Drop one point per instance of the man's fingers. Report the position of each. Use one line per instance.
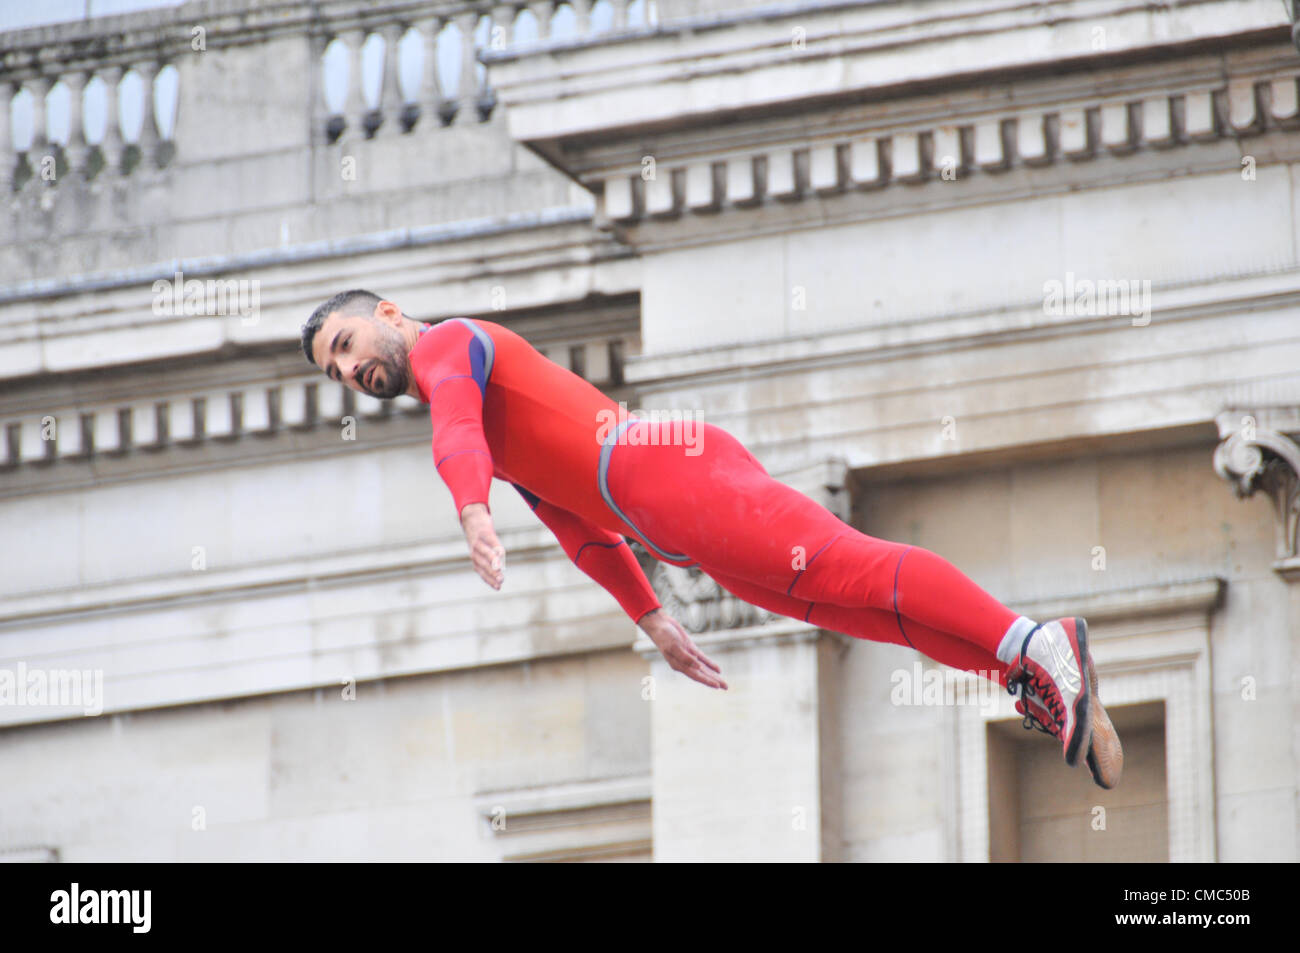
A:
(692, 648)
(689, 666)
(489, 561)
(685, 657)
(705, 659)
(707, 677)
(704, 677)
(492, 579)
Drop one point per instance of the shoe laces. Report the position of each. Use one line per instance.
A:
(1037, 685)
(1026, 687)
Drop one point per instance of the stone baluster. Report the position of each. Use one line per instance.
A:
(582, 16)
(40, 90)
(467, 89)
(149, 137)
(432, 98)
(112, 146)
(354, 106)
(620, 14)
(321, 114)
(543, 10)
(77, 151)
(390, 97)
(503, 26)
(7, 157)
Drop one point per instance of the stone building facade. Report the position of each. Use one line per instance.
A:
(1015, 283)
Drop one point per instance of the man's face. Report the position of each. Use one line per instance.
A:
(365, 353)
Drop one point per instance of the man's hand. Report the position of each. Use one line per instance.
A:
(678, 649)
(485, 550)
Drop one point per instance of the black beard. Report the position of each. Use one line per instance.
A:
(393, 362)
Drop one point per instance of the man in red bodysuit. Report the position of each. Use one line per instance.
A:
(501, 409)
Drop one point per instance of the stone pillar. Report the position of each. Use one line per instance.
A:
(1259, 449)
(751, 773)
(112, 146)
(582, 16)
(467, 88)
(7, 157)
(76, 151)
(149, 134)
(542, 9)
(431, 97)
(390, 97)
(354, 104)
(40, 90)
(503, 26)
(320, 118)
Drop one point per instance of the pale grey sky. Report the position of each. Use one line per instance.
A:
(15, 14)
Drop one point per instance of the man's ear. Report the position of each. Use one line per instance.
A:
(389, 313)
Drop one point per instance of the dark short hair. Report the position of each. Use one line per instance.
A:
(355, 303)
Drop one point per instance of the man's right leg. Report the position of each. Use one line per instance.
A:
(874, 625)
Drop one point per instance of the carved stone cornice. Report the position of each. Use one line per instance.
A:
(697, 69)
(875, 160)
(696, 119)
(1258, 451)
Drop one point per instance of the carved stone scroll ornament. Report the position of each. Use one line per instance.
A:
(696, 600)
(1254, 457)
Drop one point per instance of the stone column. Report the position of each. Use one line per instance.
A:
(620, 14)
(40, 147)
(149, 137)
(7, 158)
(320, 117)
(431, 96)
(77, 151)
(1260, 450)
(751, 773)
(582, 16)
(111, 147)
(542, 9)
(354, 105)
(390, 97)
(503, 20)
(467, 88)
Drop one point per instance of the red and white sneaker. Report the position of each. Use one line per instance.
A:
(1105, 753)
(1052, 680)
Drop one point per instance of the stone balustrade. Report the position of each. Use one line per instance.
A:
(84, 98)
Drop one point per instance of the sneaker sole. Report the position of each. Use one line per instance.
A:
(1105, 753)
(1082, 737)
